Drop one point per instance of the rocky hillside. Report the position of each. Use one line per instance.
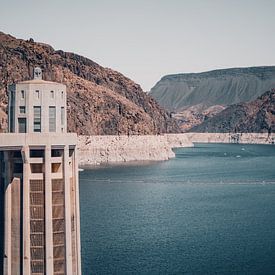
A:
(196, 115)
(257, 116)
(220, 87)
(100, 100)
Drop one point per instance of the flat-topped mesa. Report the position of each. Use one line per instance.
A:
(37, 106)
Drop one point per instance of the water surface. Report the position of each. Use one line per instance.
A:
(208, 211)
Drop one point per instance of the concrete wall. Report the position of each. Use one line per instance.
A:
(39, 168)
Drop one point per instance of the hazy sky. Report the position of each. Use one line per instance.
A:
(146, 39)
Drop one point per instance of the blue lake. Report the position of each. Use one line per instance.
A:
(210, 210)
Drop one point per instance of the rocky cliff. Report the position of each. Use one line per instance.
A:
(196, 115)
(195, 97)
(100, 101)
(257, 116)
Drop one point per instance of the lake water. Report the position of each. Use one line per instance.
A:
(211, 210)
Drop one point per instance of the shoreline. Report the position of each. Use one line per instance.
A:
(119, 164)
(95, 151)
(242, 138)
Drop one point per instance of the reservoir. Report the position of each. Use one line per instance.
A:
(210, 210)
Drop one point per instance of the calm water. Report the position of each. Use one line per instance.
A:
(211, 210)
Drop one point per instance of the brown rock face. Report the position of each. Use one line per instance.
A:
(257, 116)
(100, 101)
(195, 115)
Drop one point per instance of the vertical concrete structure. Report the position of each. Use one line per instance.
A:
(39, 199)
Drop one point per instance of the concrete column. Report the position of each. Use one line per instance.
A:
(68, 226)
(26, 210)
(77, 211)
(16, 225)
(7, 256)
(48, 211)
(2, 210)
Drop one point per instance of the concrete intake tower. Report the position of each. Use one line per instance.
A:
(39, 195)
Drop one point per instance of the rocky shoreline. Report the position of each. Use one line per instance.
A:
(98, 150)
(244, 138)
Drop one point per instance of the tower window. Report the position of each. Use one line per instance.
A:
(18, 168)
(52, 119)
(62, 115)
(22, 94)
(36, 153)
(22, 109)
(22, 125)
(37, 94)
(36, 168)
(62, 94)
(52, 94)
(37, 119)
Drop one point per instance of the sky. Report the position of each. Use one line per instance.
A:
(147, 39)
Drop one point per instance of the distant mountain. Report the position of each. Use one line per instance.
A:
(100, 100)
(257, 116)
(220, 87)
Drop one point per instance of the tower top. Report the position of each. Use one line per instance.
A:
(37, 106)
(37, 73)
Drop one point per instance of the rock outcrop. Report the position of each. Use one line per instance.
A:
(100, 101)
(195, 115)
(257, 116)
